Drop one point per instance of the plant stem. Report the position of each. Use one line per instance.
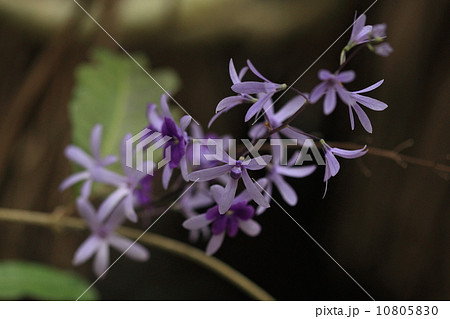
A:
(397, 157)
(59, 221)
(354, 53)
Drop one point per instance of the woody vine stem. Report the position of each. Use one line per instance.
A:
(58, 220)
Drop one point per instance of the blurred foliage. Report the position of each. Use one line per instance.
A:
(114, 91)
(20, 279)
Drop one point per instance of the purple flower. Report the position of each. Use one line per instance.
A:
(332, 84)
(235, 169)
(92, 164)
(229, 102)
(126, 187)
(361, 32)
(144, 192)
(331, 163)
(275, 176)
(238, 216)
(195, 154)
(369, 102)
(379, 31)
(266, 88)
(166, 125)
(196, 198)
(102, 236)
(379, 34)
(275, 120)
(373, 35)
(383, 49)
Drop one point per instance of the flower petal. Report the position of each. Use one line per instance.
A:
(96, 137)
(208, 174)
(253, 190)
(250, 227)
(214, 243)
(352, 119)
(111, 202)
(73, 179)
(267, 196)
(297, 172)
(318, 91)
(105, 176)
(165, 106)
(344, 95)
(370, 88)
(131, 249)
(330, 101)
(290, 108)
(256, 72)
(363, 118)
(230, 102)
(242, 210)
(86, 188)
(325, 75)
(116, 218)
(101, 261)
(332, 163)
(153, 117)
(167, 174)
(232, 226)
(383, 49)
(346, 76)
(228, 195)
(184, 122)
(363, 35)
(216, 192)
(286, 191)
(358, 25)
(109, 159)
(215, 117)
(258, 163)
(184, 168)
(129, 209)
(87, 212)
(86, 250)
(196, 222)
(371, 103)
(233, 74)
(220, 224)
(253, 87)
(257, 107)
(242, 72)
(349, 154)
(77, 155)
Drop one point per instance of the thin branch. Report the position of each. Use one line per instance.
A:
(60, 221)
(397, 157)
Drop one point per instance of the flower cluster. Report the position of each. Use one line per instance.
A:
(217, 169)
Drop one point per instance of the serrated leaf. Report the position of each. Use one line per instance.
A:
(114, 91)
(20, 279)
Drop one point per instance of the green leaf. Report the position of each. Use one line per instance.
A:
(113, 91)
(20, 279)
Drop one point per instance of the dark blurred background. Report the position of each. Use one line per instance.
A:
(387, 225)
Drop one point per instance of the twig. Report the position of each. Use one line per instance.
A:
(157, 241)
(397, 157)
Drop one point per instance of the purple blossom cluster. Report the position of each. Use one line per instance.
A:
(223, 190)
